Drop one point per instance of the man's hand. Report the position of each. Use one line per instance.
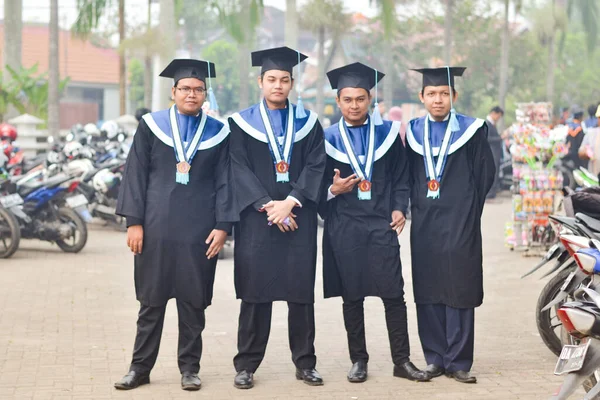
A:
(216, 241)
(292, 225)
(343, 185)
(135, 238)
(398, 222)
(278, 211)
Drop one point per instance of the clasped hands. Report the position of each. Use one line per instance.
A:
(279, 212)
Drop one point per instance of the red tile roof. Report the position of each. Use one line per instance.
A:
(85, 62)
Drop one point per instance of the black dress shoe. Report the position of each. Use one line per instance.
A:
(244, 380)
(410, 372)
(358, 372)
(309, 376)
(462, 377)
(434, 370)
(132, 380)
(190, 381)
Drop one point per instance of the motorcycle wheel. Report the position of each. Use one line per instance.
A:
(80, 234)
(547, 321)
(10, 233)
(590, 382)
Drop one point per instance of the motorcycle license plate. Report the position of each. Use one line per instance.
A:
(77, 201)
(567, 281)
(571, 358)
(11, 200)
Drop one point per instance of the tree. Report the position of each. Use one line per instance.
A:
(448, 31)
(137, 84)
(89, 14)
(504, 57)
(53, 70)
(13, 24)
(389, 21)
(324, 17)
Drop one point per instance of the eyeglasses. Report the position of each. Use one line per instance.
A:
(186, 90)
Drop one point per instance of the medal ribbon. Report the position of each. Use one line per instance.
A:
(186, 154)
(278, 152)
(437, 171)
(363, 171)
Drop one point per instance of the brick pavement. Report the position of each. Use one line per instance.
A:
(67, 325)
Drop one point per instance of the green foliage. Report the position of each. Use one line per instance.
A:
(33, 90)
(239, 18)
(90, 12)
(9, 96)
(136, 83)
(227, 83)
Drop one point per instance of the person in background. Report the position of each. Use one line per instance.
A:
(574, 140)
(495, 142)
(592, 121)
(590, 147)
(395, 114)
(140, 112)
(564, 116)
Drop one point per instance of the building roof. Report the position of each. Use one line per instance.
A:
(80, 60)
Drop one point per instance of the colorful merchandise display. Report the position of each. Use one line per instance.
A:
(537, 185)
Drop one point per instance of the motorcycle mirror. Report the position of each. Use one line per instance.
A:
(121, 137)
(50, 139)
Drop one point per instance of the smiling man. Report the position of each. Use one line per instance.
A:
(452, 170)
(179, 208)
(278, 160)
(365, 198)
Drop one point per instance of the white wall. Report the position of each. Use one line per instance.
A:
(111, 104)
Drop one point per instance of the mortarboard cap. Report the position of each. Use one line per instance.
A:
(356, 75)
(279, 58)
(439, 76)
(189, 68)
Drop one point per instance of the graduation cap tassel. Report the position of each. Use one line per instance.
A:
(212, 99)
(454, 126)
(376, 114)
(300, 111)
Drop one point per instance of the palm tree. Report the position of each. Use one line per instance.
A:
(387, 14)
(504, 56)
(89, 13)
(448, 31)
(53, 70)
(322, 17)
(13, 24)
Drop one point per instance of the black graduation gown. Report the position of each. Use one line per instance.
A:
(271, 265)
(361, 253)
(446, 245)
(176, 218)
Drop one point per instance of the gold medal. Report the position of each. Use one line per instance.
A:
(364, 186)
(433, 185)
(183, 167)
(282, 167)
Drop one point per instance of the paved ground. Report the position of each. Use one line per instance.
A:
(67, 325)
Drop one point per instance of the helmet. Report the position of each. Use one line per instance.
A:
(72, 149)
(8, 132)
(91, 129)
(111, 128)
(104, 180)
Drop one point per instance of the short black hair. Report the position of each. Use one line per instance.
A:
(140, 112)
(497, 109)
(578, 115)
(592, 110)
(262, 75)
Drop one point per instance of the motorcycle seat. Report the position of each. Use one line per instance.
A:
(567, 221)
(588, 221)
(49, 183)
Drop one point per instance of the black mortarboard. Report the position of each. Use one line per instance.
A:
(356, 75)
(280, 58)
(439, 76)
(188, 68)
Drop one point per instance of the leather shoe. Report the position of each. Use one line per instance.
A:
(462, 376)
(190, 381)
(309, 376)
(244, 380)
(358, 372)
(132, 380)
(434, 370)
(410, 372)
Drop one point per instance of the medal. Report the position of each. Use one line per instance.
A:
(184, 155)
(363, 171)
(281, 154)
(434, 173)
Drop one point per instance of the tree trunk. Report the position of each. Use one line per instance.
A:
(167, 27)
(321, 61)
(148, 64)
(13, 24)
(122, 66)
(53, 73)
(244, 58)
(291, 36)
(503, 84)
(448, 32)
(551, 66)
(389, 70)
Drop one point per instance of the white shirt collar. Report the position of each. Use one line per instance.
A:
(349, 124)
(490, 120)
(431, 118)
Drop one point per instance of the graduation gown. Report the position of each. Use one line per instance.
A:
(445, 235)
(176, 218)
(271, 265)
(361, 254)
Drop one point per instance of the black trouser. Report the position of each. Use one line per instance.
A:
(255, 326)
(149, 330)
(496, 147)
(397, 326)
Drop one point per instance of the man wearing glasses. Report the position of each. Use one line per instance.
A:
(178, 207)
